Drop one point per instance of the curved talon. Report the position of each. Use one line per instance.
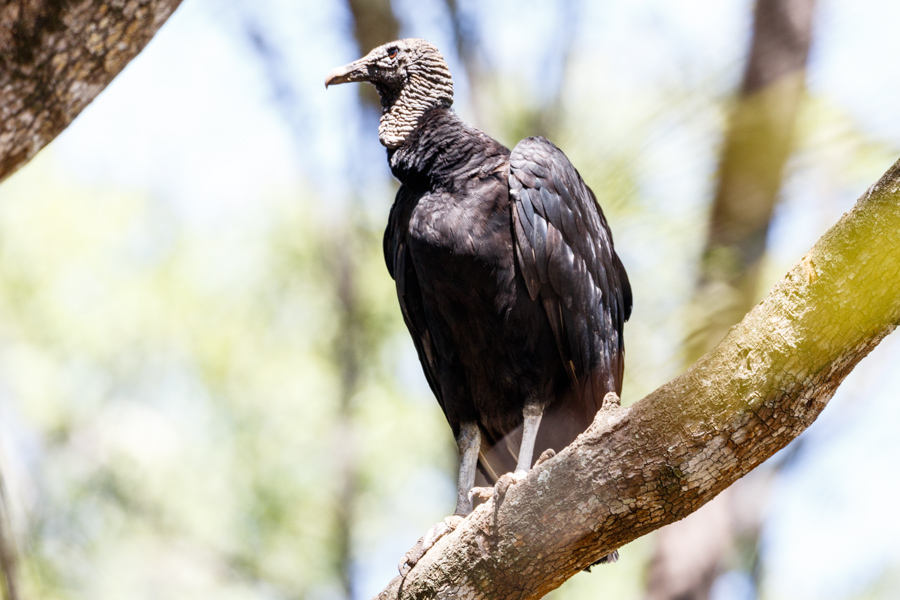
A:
(610, 400)
(517, 477)
(482, 494)
(545, 456)
(415, 554)
(503, 484)
(410, 559)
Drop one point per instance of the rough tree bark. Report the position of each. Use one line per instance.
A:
(639, 468)
(56, 56)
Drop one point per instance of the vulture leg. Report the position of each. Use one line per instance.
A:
(469, 444)
(532, 414)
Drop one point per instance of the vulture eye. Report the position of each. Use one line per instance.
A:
(392, 52)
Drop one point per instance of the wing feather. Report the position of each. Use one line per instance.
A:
(396, 255)
(565, 253)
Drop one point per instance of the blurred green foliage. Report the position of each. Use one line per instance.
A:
(181, 395)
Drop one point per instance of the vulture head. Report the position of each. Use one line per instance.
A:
(411, 77)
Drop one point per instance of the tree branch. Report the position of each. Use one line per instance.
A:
(639, 468)
(56, 56)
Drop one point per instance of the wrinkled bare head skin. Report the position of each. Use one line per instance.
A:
(411, 77)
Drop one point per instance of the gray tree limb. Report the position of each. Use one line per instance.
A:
(639, 468)
(56, 56)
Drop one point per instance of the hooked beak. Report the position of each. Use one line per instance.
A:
(358, 70)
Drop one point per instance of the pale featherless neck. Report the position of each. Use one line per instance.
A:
(428, 86)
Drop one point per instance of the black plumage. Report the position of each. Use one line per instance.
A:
(505, 271)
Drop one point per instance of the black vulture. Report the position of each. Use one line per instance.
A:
(505, 270)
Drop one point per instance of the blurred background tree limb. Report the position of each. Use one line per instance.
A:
(55, 57)
(757, 144)
(374, 23)
(639, 468)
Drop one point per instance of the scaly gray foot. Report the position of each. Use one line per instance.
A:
(481, 494)
(416, 553)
